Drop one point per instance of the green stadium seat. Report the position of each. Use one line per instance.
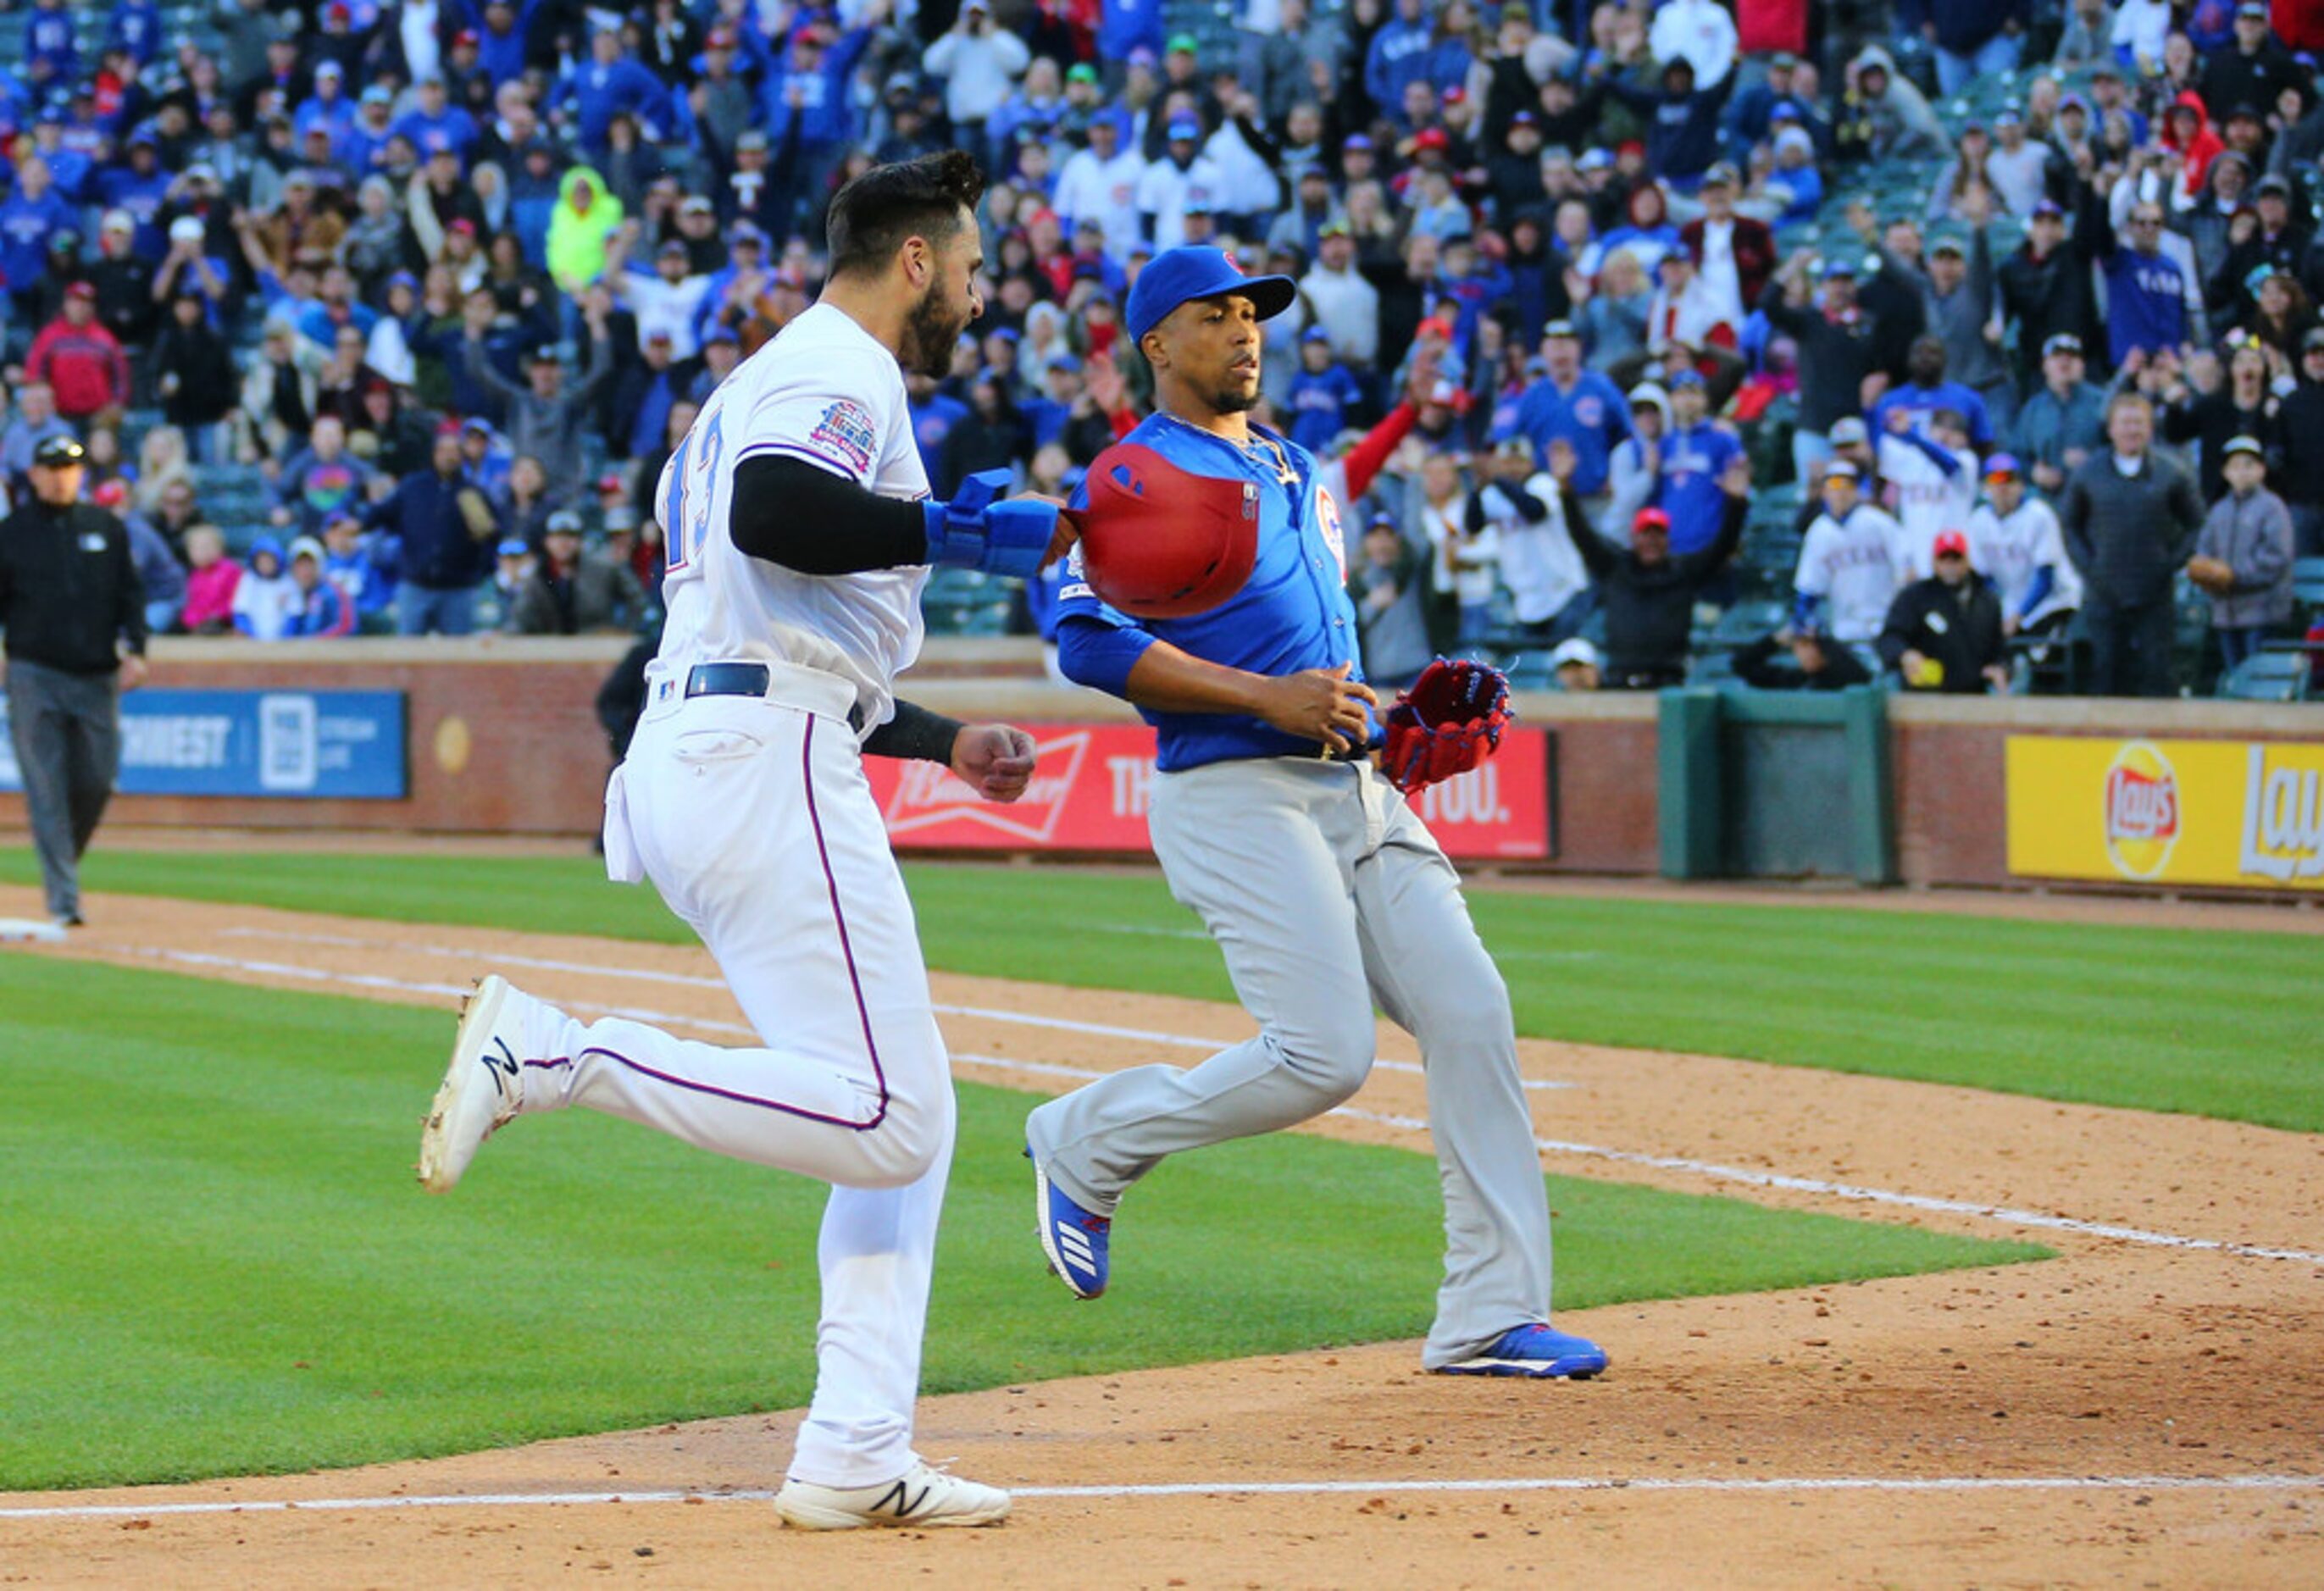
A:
(2308, 582)
(2267, 676)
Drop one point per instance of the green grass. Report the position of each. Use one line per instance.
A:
(2201, 1022)
(214, 1260)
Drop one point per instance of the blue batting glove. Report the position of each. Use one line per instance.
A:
(974, 531)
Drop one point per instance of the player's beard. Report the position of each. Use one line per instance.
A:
(931, 331)
(1232, 398)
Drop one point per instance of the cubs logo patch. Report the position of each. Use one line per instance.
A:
(844, 434)
(1588, 411)
(1327, 516)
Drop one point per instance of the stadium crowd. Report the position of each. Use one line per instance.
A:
(1652, 342)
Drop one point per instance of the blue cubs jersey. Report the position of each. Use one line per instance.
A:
(1591, 418)
(1291, 615)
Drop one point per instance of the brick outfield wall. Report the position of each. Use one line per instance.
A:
(504, 738)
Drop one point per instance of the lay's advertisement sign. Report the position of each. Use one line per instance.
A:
(2236, 813)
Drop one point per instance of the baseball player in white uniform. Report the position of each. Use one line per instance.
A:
(799, 534)
(2015, 541)
(1848, 560)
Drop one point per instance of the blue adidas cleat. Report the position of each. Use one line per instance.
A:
(1532, 1351)
(1072, 1237)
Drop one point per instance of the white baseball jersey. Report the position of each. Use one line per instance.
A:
(1928, 501)
(663, 307)
(1539, 564)
(1851, 564)
(2008, 550)
(824, 391)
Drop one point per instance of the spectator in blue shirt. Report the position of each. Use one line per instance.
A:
(1123, 26)
(139, 186)
(434, 124)
(330, 109)
(1581, 407)
(135, 28)
(501, 26)
(610, 81)
(933, 415)
(52, 53)
(1324, 395)
(1929, 391)
(1695, 455)
(29, 218)
(1401, 53)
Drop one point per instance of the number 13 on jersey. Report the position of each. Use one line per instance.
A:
(689, 490)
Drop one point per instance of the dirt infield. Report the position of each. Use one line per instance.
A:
(2147, 1408)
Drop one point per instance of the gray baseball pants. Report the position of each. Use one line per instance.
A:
(1326, 893)
(67, 732)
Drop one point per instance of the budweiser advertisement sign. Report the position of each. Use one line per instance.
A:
(1095, 782)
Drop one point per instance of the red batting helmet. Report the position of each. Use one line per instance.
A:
(1161, 542)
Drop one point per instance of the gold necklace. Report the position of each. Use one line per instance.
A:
(1284, 475)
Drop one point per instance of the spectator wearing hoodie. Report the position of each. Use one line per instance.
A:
(323, 610)
(81, 361)
(265, 598)
(979, 62)
(1882, 116)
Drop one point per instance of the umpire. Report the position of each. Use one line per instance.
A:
(74, 611)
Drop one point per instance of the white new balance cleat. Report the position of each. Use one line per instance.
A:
(922, 1496)
(482, 1087)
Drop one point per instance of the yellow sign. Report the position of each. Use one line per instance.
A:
(2167, 812)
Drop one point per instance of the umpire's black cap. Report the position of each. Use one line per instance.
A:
(57, 452)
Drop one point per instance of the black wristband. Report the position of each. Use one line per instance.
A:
(914, 734)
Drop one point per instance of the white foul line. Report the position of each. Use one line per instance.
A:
(1341, 1488)
(690, 981)
(1710, 1171)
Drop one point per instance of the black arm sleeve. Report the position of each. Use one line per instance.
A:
(915, 734)
(799, 515)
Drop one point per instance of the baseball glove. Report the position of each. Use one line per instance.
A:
(1448, 723)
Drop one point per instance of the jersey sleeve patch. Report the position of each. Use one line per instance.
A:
(846, 436)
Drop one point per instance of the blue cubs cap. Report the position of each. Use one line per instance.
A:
(1185, 127)
(1685, 377)
(2001, 463)
(1176, 275)
(1843, 266)
(1315, 334)
(512, 546)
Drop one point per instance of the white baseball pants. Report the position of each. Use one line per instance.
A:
(754, 821)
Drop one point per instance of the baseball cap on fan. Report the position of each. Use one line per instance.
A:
(1174, 276)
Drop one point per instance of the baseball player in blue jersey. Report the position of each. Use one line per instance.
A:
(1322, 886)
